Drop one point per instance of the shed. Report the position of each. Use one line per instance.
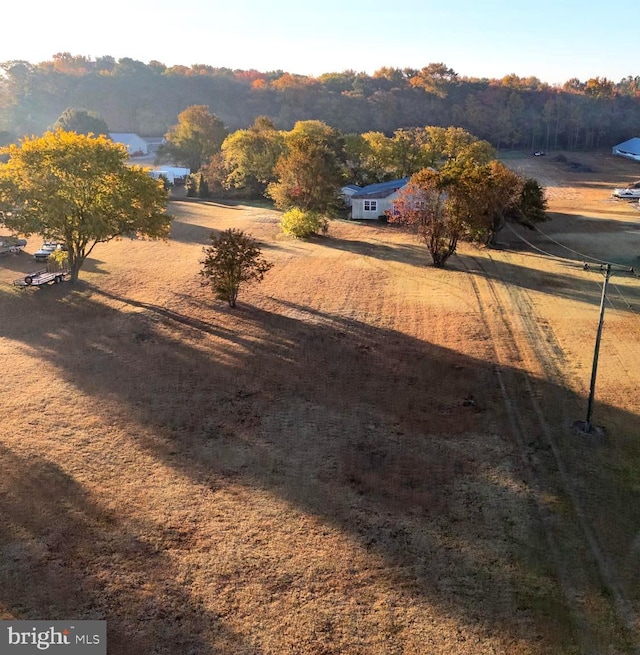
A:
(629, 149)
(133, 143)
(375, 200)
(347, 191)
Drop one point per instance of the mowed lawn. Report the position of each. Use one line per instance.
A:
(367, 456)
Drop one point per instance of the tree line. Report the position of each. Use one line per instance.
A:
(131, 96)
(78, 189)
(457, 189)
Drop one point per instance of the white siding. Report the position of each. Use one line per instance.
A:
(383, 205)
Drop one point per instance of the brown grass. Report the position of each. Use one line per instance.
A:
(368, 456)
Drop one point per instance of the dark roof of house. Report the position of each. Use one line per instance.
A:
(632, 146)
(381, 189)
(352, 187)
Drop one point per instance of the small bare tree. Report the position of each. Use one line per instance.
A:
(232, 259)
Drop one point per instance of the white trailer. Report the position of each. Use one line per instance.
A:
(41, 277)
(179, 174)
(159, 174)
(626, 193)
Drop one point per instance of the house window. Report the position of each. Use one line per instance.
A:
(371, 205)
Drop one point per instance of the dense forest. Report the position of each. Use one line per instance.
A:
(132, 96)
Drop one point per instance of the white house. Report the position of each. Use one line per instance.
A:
(133, 142)
(629, 149)
(375, 200)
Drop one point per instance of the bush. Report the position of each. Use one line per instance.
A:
(59, 260)
(232, 259)
(192, 186)
(202, 188)
(301, 224)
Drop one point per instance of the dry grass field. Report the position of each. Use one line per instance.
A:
(368, 456)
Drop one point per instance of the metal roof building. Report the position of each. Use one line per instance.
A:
(629, 149)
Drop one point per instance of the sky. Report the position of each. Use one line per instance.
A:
(553, 40)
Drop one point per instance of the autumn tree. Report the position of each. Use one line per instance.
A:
(233, 259)
(465, 199)
(81, 121)
(309, 173)
(197, 136)
(434, 78)
(424, 206)
(483, 197)
(251, 155)
(78, 190)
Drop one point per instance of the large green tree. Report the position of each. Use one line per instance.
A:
(374, 157)
(369, 158)
(310, 172)
(197, 136)
(81, 121)
(484, 196)
(251, 155)
(78, 190)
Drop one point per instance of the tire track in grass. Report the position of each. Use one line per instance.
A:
(518, 433)
(548, 353)
(526, 419)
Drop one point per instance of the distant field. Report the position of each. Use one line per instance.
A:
(367, 456)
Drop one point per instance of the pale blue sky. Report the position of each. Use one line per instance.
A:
(553, 40)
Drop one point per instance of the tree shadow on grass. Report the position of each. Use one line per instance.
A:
(391, 439)
(63, 555)
(185, 232)
(585, 287)
(190, 233)
(416, 255)
(21, 262)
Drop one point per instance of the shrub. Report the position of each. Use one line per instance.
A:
(302, 224)
(59, 260)
(232, 259)
(202, 188)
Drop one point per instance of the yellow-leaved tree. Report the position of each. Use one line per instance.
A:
(78, 190)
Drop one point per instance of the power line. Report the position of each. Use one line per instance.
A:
(581, 254)
(587, 425)
(544, 252)
(626, 302)
(572, 261)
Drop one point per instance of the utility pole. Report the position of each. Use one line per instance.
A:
(587, 426)
(594, 369)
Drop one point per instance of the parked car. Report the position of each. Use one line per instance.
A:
(11, 245)
(45, 251)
